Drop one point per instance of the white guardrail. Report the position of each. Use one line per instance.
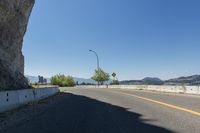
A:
(16, 98)
(162, 88)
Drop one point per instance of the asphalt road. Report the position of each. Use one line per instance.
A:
(87, 110)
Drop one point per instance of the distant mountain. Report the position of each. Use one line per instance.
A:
(191, 80)
(152, 81)
(145, 81)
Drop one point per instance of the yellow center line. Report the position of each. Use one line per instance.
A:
(162, 103)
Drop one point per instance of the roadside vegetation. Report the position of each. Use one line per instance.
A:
(100, 76)
(114, 82)
(63, 81)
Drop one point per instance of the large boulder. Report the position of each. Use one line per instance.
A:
(14, 16)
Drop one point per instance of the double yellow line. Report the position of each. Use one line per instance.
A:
(161, 103)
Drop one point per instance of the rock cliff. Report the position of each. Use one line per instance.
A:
(14, 16)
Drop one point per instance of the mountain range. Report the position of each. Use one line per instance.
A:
(147, 80)
(189, 80)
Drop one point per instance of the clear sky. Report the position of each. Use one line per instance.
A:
(134, 38)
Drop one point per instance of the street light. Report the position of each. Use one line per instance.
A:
(97, 58)
(97, 61)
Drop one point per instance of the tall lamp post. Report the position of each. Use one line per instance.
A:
(97, 61)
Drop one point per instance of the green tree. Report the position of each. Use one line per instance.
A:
(100, 76)
(62, 80)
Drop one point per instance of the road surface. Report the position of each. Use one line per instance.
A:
(89, 110)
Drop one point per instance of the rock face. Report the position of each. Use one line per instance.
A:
(14, 15)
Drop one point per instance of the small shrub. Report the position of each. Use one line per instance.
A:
(62, 80)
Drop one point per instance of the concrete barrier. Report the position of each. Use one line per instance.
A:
(13, 99)
(161, 88)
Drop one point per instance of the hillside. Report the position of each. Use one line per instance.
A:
(189, 80)
(145, 81)
(152, 81)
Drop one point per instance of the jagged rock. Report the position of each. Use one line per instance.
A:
(14, 15)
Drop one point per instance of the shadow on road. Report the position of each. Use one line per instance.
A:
(80, 114)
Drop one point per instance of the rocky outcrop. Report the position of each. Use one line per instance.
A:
(14, 15)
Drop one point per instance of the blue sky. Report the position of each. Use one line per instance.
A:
(134, 38)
